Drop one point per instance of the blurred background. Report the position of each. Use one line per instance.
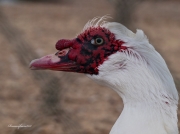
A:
(70, 103)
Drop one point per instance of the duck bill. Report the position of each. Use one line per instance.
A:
(53, 62)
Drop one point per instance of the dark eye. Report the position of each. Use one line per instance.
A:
(97, 41)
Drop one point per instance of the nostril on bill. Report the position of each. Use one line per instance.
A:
(62, 52)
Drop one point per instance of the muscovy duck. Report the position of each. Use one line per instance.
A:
(112, 55)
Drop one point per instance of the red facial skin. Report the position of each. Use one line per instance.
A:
(88, 56)
(81, 54)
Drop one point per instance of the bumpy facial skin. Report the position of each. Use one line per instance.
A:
(83, 54)
(90, 49)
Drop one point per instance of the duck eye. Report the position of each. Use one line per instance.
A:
(97, 41)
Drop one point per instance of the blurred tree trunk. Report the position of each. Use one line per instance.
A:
(124, 11)
(50, 1)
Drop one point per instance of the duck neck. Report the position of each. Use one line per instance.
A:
(148, 92)
(146, 115)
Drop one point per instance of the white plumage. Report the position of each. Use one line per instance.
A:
(141, 78)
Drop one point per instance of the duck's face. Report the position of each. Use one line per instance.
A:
(83, 54)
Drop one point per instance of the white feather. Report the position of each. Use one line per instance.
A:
(142, 79)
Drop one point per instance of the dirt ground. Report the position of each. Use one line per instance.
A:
(84, 106)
